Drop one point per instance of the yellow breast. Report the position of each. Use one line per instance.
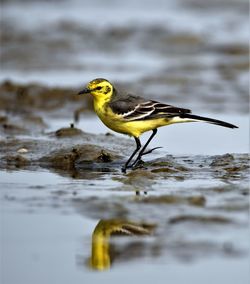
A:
(118, 124)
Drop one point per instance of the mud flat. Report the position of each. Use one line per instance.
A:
(64, 190)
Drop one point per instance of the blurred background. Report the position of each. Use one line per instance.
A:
(192, 51)
(58, 196)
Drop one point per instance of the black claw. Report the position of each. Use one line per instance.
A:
(123, 169)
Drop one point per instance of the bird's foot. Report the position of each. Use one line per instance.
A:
(137, 164)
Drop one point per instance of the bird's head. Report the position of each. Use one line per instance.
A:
(100, 89)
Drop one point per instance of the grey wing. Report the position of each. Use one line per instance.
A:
(153, 110)
(136, 108)
(126, 104)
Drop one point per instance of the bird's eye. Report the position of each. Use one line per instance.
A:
(98, 88)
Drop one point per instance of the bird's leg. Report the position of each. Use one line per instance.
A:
(138, 146)
(141, 153)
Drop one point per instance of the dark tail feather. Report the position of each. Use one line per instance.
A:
(209, 120)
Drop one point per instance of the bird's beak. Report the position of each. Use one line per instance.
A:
(84, 91)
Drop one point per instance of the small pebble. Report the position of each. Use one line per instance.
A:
(22, 151)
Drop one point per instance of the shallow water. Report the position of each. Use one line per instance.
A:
(48, 220)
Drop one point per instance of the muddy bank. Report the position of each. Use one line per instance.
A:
(70, 149)
(34, 103)
(49, 162)
(26, 112)
(149, 213)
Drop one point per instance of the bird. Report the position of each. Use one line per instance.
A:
(133, 115)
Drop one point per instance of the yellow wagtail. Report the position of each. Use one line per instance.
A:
(133, 115)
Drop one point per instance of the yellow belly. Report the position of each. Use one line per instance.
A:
(132, 128)
(136, 128)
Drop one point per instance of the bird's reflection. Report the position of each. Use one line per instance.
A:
(101, 258)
